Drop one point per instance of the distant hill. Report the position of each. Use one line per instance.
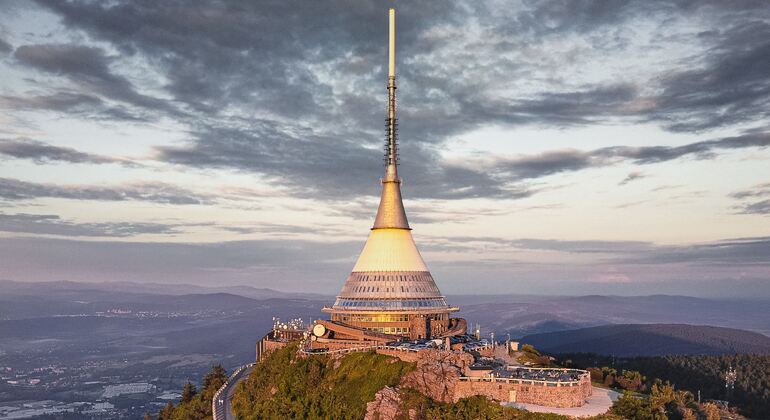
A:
(630, 340)
(9, 287)
(525, 315)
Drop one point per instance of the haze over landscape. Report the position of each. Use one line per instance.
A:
(547, 147)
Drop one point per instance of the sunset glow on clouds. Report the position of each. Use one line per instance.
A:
(546, 147)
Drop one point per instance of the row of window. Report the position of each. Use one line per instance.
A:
(366, 289)
(389, 330)
(391, 303)
(371, 318)
(391, 277)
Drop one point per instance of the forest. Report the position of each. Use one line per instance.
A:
(749, 393)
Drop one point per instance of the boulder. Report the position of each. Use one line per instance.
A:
(385, 406)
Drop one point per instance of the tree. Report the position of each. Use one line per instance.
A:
(167, 413)
(215, 378)
(630, 406)
(710, 411)
(188, 392)
(631, 380)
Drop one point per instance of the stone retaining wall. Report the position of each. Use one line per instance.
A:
(540, 394)
(404, 355)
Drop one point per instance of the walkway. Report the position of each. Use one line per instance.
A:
(221, 407)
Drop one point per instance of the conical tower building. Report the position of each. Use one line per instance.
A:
(390, 290)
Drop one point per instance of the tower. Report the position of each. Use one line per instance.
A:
(390, 290)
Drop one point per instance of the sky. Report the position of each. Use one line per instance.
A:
(547, 147)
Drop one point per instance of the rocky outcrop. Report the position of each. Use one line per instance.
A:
(437, 373)
(385, 406)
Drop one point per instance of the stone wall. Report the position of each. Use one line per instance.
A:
(406, 356)
(540, 394)
(334, 344)
(438, 376)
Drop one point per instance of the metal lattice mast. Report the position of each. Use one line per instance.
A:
(391, 148)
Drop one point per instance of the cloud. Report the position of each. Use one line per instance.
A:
(288, 264)
(633, 176)
(612, 276)
(558, 161)
(728, 83)
(465, 243)
(40, 152)
(60, 101)
(739, 251)
(275, 154)
(753, 251)
(47, 224)
(78, 104)
(758, 192)
(5, 47)
(274, 228)
(156, 192)
(294, 99)
(733, 86)
(758, 207)
(296, 264)
(586, 246)
(88, 67)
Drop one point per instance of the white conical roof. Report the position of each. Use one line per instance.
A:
(390, 250)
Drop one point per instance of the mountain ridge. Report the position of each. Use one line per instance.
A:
(630, 340)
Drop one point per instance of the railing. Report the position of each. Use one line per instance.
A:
(537, 382)
(358, 349)
(221, 413)
(582, 376)
(546, 368)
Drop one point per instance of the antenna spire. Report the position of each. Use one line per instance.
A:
(391, 214)
(391, 151)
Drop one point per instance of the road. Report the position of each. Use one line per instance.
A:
(223, 410)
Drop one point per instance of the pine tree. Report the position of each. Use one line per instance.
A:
(215, 378)
(188, 392)
(167, 413)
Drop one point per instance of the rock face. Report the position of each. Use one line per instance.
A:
(385, 406)
(437, 374)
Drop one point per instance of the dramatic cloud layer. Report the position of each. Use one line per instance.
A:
(41, 152)
(14, 189)
(541, 143)
(319, 99)
(53, 225)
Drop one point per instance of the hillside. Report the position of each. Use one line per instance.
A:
(374, 386)
(630, 340)
(704, 374)
(319, 387)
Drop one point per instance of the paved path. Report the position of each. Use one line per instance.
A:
(223, 409)
(598, 403)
